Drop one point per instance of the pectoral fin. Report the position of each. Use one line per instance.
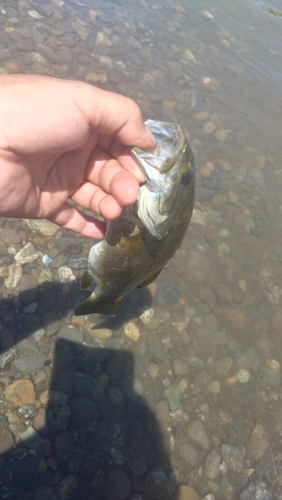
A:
(92, 305)
(149, 280)
(86, 280)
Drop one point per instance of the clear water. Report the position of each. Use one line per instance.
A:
(214, 342)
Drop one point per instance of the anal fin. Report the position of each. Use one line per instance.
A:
(86, 280)
(149, 280)
(92, 305)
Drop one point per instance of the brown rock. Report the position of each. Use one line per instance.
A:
(202, 116)
(187, 493)
(20, 392)
(9, 236)
(234, 317)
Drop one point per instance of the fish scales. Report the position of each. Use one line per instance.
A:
(139, 243)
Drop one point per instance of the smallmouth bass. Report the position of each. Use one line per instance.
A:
(139, 243)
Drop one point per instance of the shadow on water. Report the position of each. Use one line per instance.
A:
(55, 305)
(94, 438)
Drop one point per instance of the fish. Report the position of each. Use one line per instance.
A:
(140, 242)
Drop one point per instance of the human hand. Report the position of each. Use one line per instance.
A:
(64, 139)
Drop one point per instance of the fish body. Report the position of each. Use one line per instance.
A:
(139, 243)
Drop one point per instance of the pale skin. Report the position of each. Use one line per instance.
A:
(64, 140)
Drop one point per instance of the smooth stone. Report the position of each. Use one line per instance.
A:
(209, 127)
(7, 357)
(161, 482)
(259, 441)
(119, 485)
(187, 493)
(197, 266)
(43, 226)
(6, 440)
(173, 396)
(77, 263)
(212, 465)
(198, 217)
(31, 438)
(197, 433)
(69, 245)
(132, 331)
(188, 452)
(234, 457)
(180, 367)
(59, 261)
(37, 36)
(214, 181)
(29, 364)
(175, 68)
(27, 254)
(20, 392)
(162, 411)
(268, 377)
(222, 134)
(65, 54)
(9, 236)
(27, 410)
(84, 385)
(28, 288)
(47, 52)
(257, 490)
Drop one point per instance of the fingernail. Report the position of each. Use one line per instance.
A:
(151, 136)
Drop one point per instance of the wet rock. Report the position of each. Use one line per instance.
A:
(214, 181)
(209, 127)
(180, 367)
(40, 421)
(7, 357)
(82, 411)
(257, 490)
(162, 411)
(197, 433)
(223, 366)
(9, 236)
(29, 364)
(212, 465)
(156, 347)
(28, 411)
(259, 441)
(132, 330)
(189, 454)
(99, 333)
(66, 275)
(44, 227)
(78, 263)
(102, 40)
(86, 386)
(6, 439)
(197, 266)
(235, 458)
(119, 485)
(187, 493)
(31, 438)
(167, 293)
(268, 377)
(65, 54)
(15, 273)
(175, 68)
(234, 317)
(161, 483)
(199, 217)
(63, 447)
(28, 288)
(59, 261)
(20, 392)
(27, 254)
(69, 245)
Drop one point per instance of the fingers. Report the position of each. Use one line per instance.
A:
(73, 219)
(113, 114)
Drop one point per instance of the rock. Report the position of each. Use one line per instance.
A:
(27, 411)
(82, 410)
(6, 440)
(65, 54)
(42, 226)
(69, 245)
(173, 396)
(119, 485)
(59, 261)
(27, 254)
(222, 134)
(257, 490)
(29, 364)
(259, 441)
(175, 68)
(197, 266)
(180, 367)
(197, 433)
(209, 127)
(268, 377)
(234, 317)
(84, 385)
(15, 273)
(160, 483)
(187, 493)
(99, 333)
(202, 116)
(7, 357)
(212, 465)
(132, 331)
(235, 458)
(9, 236)
(66, 275)
(20, 392)
(78, 263)
(28, 288)
(189, 454)
(47, 52)
(199, 217)
(31, 438)
(102, 40)
(162, 411)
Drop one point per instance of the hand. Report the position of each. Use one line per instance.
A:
(62, 140)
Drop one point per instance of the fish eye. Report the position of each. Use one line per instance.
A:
(185, 179)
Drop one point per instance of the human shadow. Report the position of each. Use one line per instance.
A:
(88, 434)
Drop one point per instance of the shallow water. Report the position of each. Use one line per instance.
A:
(199, 371)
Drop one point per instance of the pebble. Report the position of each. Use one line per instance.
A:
(222, 134)
(197, 434)
(187, 493)
(234, 318)
(161, 482)
(189, 454)
(44, 227)
(9, 236)
(146, 314)
(29, 364)
(102, 40)
(197, 266)
(31, 438)
(259, 441)
(173, 396)
(6, 440)
(15, 273)
(257, 490)
(27, 254)
(198, 217)
(212, 465)
(243, 376)
(202, 116)
(132, 331)
(20, 392)
(28, 288)
(209, 127)
(66, 275)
